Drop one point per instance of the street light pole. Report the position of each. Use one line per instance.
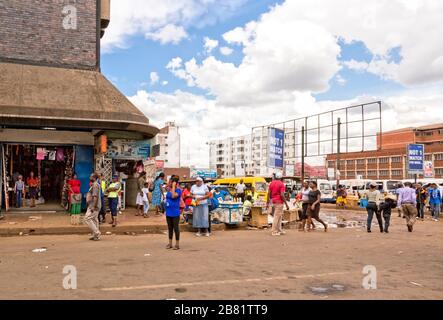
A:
(337, 173)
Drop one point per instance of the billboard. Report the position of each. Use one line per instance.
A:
(416, 158)
(128, 149)
(276, 142)
(429, 170)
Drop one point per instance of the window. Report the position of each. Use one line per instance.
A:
(361, 173)
(397, 173)
(361, 162)
(384, 160)
(331, 164)
(372, 173)
(439, 156)
(428, 157)
(439, 172)
(384, 173)
(350, 162)
(396, 159)
(372, 161)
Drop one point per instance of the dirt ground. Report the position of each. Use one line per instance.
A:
(230, 265)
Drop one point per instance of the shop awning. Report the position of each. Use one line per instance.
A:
(39, 97)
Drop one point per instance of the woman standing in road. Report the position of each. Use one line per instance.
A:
(173, 197)
(157, 194)
(314, 206)
(200, 218)
(374, 199)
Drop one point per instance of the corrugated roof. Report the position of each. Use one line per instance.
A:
(65, 98)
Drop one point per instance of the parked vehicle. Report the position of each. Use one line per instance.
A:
(257, 186)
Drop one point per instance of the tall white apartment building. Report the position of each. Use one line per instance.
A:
(234, 157)
(167, 145)
(250, 150)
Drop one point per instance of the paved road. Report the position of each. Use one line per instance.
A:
(229, 265)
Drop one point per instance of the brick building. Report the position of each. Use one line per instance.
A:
(389, 161)
(59, 115)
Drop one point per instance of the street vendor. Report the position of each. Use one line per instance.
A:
(341, 196)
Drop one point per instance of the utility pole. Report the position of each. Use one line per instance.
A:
(302, 154)
(337, 172)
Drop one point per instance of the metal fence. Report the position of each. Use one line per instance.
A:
(351, 129)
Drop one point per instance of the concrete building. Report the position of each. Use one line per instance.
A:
(389, 161)
(58, 113)
(167, 146)
(238, 156)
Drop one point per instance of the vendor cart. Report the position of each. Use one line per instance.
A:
(231, 213)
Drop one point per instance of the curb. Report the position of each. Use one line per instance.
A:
(81, 230)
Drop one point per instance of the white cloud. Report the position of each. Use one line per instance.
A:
(141, 17)
(174, 64)
(226, 51)
(165, 83)
(340, 80)
(154, 78)
(202, 119)
(168, 34)
(210, 44)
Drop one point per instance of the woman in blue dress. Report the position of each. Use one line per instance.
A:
(157, 194)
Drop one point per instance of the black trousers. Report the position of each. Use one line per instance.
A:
(372, 208)
(387, 218)
(173, 226)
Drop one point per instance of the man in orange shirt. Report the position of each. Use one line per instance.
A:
(33, 184)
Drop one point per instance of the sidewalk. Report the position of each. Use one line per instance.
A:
(50, 223)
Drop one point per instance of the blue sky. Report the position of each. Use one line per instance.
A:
(129, 68)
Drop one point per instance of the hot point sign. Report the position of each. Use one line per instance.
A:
(416, 158)
(276, 140)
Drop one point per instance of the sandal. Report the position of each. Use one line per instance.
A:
(176, 248)
(169, 246)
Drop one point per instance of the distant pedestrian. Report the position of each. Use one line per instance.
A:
(19, 190)
(94, 205)
(200, 217)
(407, 200)
(373, 196)
(113, 194)
(33, 184)
(139, 200)
(314, 206)
(277, 199)
(102, 183)
(145, 198)
(435, 201)
(304, 195)
(75, 199)
(421, 201)
(157, 194)
(173, 197)
(341, 197)
(386, 209)
(240, 190)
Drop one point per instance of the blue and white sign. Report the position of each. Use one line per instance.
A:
(276, 142)
(416, 158)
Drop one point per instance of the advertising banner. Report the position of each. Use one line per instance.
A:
(276, 142)
(429, 170)
(416, 158)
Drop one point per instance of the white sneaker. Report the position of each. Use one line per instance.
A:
(283, 232)
(207, 234)
(274, 234)
(198, 234)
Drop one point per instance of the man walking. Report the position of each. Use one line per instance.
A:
(276, 194)
(407, 201)
(94, 206)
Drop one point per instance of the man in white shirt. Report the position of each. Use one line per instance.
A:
(240, 190)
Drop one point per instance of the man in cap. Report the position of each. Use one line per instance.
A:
(94, 206)
(113, 191)
(407, 201)
(276, 194)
